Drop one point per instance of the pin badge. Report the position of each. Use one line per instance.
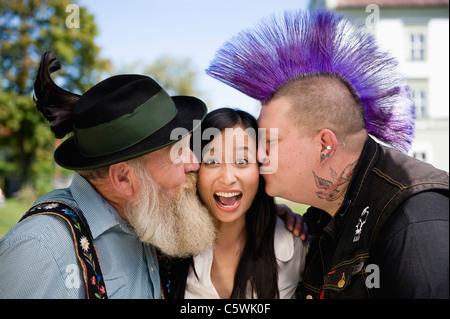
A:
(341, 282)
(361, 221)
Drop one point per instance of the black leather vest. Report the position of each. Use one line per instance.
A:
(340, 247)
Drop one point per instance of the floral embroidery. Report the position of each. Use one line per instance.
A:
(73, 216)
(96, 281)
(84, 242)
(80, 230)
(69, 212)
(51, 206)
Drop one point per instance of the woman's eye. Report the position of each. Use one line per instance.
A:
(242, 161)
(211, 161)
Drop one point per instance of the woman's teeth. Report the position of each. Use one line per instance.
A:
(222, 194)
(228, 199)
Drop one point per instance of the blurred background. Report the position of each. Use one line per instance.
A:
(174, 41)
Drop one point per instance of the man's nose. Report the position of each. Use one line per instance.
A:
(190, 162)
(262, 155)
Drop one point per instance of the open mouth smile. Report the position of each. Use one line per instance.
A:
(228, 200)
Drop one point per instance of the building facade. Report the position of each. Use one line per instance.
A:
(416, 32)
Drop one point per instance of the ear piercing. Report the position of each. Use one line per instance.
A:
(324, 156)
(340, 145)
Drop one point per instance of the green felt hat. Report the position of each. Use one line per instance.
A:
(124, 117)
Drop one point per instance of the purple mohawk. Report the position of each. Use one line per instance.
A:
(259, 61)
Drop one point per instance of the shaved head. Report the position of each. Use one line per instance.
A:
(323, 101)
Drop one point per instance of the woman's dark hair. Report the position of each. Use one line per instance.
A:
(257, 264)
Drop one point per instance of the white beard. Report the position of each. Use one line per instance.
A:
(179, 225)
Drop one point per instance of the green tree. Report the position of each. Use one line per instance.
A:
(27, 29)
(176, 76)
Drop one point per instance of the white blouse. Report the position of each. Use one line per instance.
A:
(290, 252)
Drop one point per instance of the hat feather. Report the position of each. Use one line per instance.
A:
(55, 103)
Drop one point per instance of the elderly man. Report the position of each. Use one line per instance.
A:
(379, 218)
(128, 196)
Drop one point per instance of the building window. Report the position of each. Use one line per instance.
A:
(417, 47)
(420, 103)
(423, 151)
(416, 37)
(419, 95)
(420, 156)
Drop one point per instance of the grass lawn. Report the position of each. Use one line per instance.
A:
(10, 214)
(296, 208)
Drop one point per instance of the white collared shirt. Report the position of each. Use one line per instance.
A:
(290, 253)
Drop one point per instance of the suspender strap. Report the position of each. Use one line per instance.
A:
(83, 241)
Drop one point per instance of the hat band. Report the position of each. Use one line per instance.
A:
(128, 129)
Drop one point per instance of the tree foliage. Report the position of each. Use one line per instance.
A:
(176, 75)
(27, 29)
